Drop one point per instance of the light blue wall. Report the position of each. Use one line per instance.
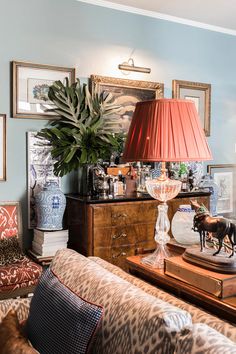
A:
(94, 40)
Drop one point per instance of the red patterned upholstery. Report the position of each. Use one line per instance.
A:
(18, 278)
(9, 220)
(19, 273)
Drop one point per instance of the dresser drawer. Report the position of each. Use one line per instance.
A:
(115, 255)
(148, 211)
(101, 215)
(123, 235)
(118, 215)
(145, 232)
(125, 214)
(114, 236)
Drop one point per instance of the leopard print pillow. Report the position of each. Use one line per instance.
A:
(10, 251)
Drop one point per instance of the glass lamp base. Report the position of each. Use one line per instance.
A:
(156, 259)
(162, 189)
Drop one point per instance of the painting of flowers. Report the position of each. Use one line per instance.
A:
(30, 85)
(38, 91)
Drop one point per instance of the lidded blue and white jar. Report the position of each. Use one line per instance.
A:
(50, 206)
(207, 183)
(182, 224)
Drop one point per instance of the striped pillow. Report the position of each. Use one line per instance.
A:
(60, 321)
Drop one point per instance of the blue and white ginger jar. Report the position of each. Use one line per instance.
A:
(208, 184)
(50, 207)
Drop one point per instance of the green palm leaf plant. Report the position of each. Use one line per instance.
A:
(83, 131)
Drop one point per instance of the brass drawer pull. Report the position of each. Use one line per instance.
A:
(121, 254)
(117, 237)
(121, 215)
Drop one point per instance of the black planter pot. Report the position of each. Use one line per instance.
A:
(85, 179)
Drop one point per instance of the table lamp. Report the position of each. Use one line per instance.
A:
(165, 130)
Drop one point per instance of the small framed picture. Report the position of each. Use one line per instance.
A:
(225, 177)
(126, 93)
(2, 147)
(200, 94)
(30, 85)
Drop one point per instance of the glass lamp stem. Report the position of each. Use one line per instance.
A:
(156, 259)
(162, 189)
(162, 225)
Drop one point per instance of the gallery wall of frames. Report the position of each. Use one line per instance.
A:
(29, 90)
(30, 85)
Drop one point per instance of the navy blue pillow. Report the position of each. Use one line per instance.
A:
(60, 322)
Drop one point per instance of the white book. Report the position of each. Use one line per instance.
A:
(39, 257)
(51, 245)
(51, 240)
(45, 253)
(50, 234)
(38, 247)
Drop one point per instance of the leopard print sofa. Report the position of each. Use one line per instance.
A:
(136, 320)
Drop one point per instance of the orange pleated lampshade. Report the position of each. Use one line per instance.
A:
(166, 130)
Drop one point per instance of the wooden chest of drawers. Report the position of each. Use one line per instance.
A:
(114, 229)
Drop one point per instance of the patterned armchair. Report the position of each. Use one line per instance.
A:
(18, 274)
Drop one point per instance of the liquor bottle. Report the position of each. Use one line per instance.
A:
(120, 183)
(183, 174)
(184, 180)
(111, 186)
(190, 180)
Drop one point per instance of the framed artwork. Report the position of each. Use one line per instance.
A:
(30, 85)
(126, 93)
(10, 220)
(224, 176)
(2, 147)
(40, 168)
(200, 94)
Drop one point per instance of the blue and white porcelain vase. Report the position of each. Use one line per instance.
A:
(50, 206)
(208, 184)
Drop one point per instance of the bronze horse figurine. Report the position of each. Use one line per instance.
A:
(204, 223)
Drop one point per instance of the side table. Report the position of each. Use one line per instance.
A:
(224, 308)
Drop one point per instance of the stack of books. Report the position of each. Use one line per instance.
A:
(215, 283)
(46, 243)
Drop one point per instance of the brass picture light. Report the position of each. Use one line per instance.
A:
(129, 66)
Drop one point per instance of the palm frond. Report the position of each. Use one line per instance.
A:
(84, 131)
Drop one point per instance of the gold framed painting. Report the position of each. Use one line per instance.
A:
(30, 85)
(200, 94)
(2, 147)
(126, 93)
